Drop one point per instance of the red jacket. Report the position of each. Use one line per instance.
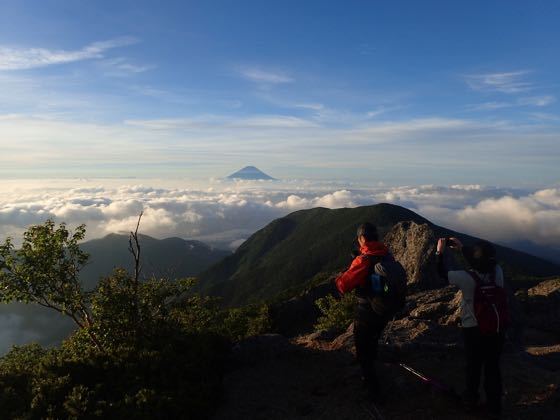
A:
(356, 275)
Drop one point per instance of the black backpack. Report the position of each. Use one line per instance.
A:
(391, 275)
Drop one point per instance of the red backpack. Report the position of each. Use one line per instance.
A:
(490, 306)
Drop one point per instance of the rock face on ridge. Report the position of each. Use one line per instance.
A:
(414, 246)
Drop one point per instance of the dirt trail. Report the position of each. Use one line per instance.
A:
(310, 381)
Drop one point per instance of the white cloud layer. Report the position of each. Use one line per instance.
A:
(227, 212)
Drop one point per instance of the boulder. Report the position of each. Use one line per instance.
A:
(299, 314)
(414, 246)
(541, 304)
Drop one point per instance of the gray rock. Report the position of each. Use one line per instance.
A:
(414, 246)
(541, 304)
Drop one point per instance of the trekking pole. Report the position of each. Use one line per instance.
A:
(430, 381)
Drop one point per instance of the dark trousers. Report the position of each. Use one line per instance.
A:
(483, 351)
(368, 327)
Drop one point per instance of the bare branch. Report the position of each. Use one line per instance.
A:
(134, 248)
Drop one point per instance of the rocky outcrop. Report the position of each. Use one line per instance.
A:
(430, 320)
(414, 246)
(541, 305)
(299, 314)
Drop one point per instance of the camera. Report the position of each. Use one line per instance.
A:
(450, 242)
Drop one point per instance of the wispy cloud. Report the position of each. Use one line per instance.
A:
(374, 113)
(258, 75)
(543, 116)
(506, 82)
(12, 58)
(120, 66)
(310, 106)
(275, 121)
(537, 100)
(529, 101)
(489, 106)
(222, 122)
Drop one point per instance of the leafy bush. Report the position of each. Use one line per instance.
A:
(337, 313)
(247, 321)
(140, 350)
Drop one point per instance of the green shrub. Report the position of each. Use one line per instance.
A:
(337, 313)
(247, 321)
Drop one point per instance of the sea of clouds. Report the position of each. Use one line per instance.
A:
(225, 213)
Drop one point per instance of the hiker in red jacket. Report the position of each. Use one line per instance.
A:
(368, 325)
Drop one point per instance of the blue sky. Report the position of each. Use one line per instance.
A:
(398, 92)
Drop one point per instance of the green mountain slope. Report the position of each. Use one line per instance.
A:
(171, 257)
(308, 245)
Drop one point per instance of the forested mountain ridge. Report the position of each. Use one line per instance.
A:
(171, 257)
(309, 245)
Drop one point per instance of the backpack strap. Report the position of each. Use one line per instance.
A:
(373, 259)
(475, 277)
(478, 280)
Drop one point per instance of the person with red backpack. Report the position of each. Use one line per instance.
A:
(380, 285)
(484, 318)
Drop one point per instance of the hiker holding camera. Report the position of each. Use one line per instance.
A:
(380, 285)
(484, 317)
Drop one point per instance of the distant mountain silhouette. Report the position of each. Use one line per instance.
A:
(250, 173)
(547, 252)
(171, 257)
(307, 246)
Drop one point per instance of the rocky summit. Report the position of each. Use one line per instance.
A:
(302, 373)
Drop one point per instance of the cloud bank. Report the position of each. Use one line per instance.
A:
(227, 212)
